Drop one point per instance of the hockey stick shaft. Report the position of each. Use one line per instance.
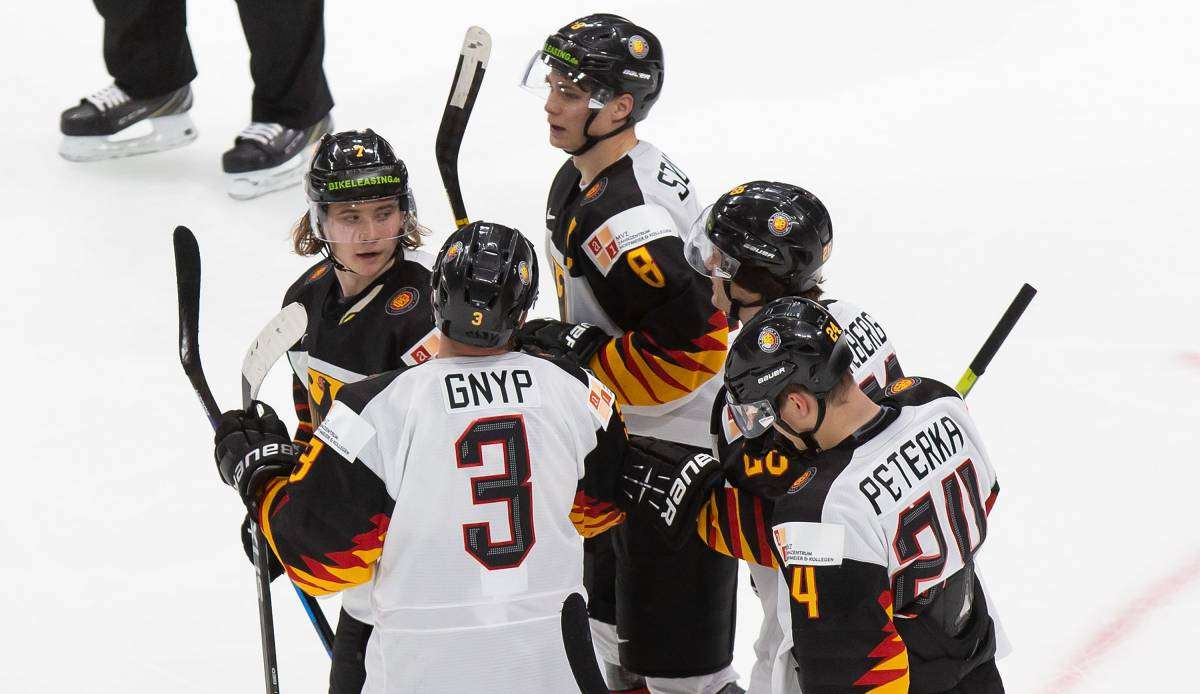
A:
(464, 89)
(187, 274)
(577, 640)
(992, 344)
(271, 343)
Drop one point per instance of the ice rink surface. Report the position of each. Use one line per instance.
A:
(962, 149)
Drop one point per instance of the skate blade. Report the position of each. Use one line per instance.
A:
(252, 184)
(144, 137)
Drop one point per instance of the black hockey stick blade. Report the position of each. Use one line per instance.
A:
(992, 345)
(468, 76)
(577, 639)
(187, 279)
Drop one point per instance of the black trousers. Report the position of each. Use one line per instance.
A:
(349, 670)
(147, 52)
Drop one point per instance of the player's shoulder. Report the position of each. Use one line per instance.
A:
(559, 367)
(914, 391)
(359, 394)
(843, 311)
(816, 484)
(319, 275)
(578, 386)
(614, 192)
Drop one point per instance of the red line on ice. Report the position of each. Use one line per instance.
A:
(1119, 628)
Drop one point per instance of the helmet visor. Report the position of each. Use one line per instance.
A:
(544, 75)
(703, 255)
(364, 221)
(753, 418)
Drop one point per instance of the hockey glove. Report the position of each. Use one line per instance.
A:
(556, 338)
(668, 483)
(274, 568)
(251, 448)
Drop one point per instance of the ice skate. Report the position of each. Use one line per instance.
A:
(269, 156)
(111, 124)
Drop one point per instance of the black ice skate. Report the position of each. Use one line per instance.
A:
(269, 156)
(110, 124)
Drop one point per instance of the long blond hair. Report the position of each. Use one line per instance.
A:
(305, 241)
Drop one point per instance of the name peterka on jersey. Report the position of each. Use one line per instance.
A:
(912, 461)
(476, 389)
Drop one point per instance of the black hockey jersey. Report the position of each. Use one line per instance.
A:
(387, 325)
(618, 264)
(736, 520)
(876, 541)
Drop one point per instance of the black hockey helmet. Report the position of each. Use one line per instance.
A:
(484, 281)
(356, 166)
(606, 55)
(778, 227)
(792, 341)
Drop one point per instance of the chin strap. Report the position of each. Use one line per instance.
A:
(593, 140)
(735, 306)
(337, 264)
(808, 437)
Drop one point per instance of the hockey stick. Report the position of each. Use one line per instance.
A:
(187, 274)
(990, 346)
(577, 639)
(468, 76)
(272, 342)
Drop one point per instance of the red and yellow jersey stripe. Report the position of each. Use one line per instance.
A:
(641, 372)
(737, 524)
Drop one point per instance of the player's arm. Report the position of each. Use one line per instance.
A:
(598, 498)
(325, 513)
(674, 340)
(843, 630)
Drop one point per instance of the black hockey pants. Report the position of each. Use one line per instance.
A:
(147, 52)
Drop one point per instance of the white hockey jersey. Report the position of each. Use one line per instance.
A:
(471, 481)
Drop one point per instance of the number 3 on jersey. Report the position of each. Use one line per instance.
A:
(512, 486)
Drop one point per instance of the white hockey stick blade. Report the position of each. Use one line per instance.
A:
(273, 341)
(476, 50)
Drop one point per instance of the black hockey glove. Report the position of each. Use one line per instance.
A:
(556, 338)
(274, 568)
(252, 447)
(668, 483)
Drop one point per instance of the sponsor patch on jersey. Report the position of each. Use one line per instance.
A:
(810, 544)
(630, 229)
(780, 224)
(403, 301)
(523, 272)
(595, 191)
(768, 340)
(803, 480)
(600, 401)
(424, 350)
(902, 385)
(345, 431)
(318, 272)
(638, 46)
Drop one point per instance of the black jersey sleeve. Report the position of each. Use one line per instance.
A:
(327, 522)
(672, 340)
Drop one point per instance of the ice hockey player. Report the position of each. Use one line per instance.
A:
(452, 488)
(758, 242)
(145, 110)
(634, 313)
(876, 538)
(369, 310)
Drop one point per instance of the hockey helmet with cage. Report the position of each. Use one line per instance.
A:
(356, 166)
(605, 55)
(484, 282)
(792, 341)
(782, 229)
